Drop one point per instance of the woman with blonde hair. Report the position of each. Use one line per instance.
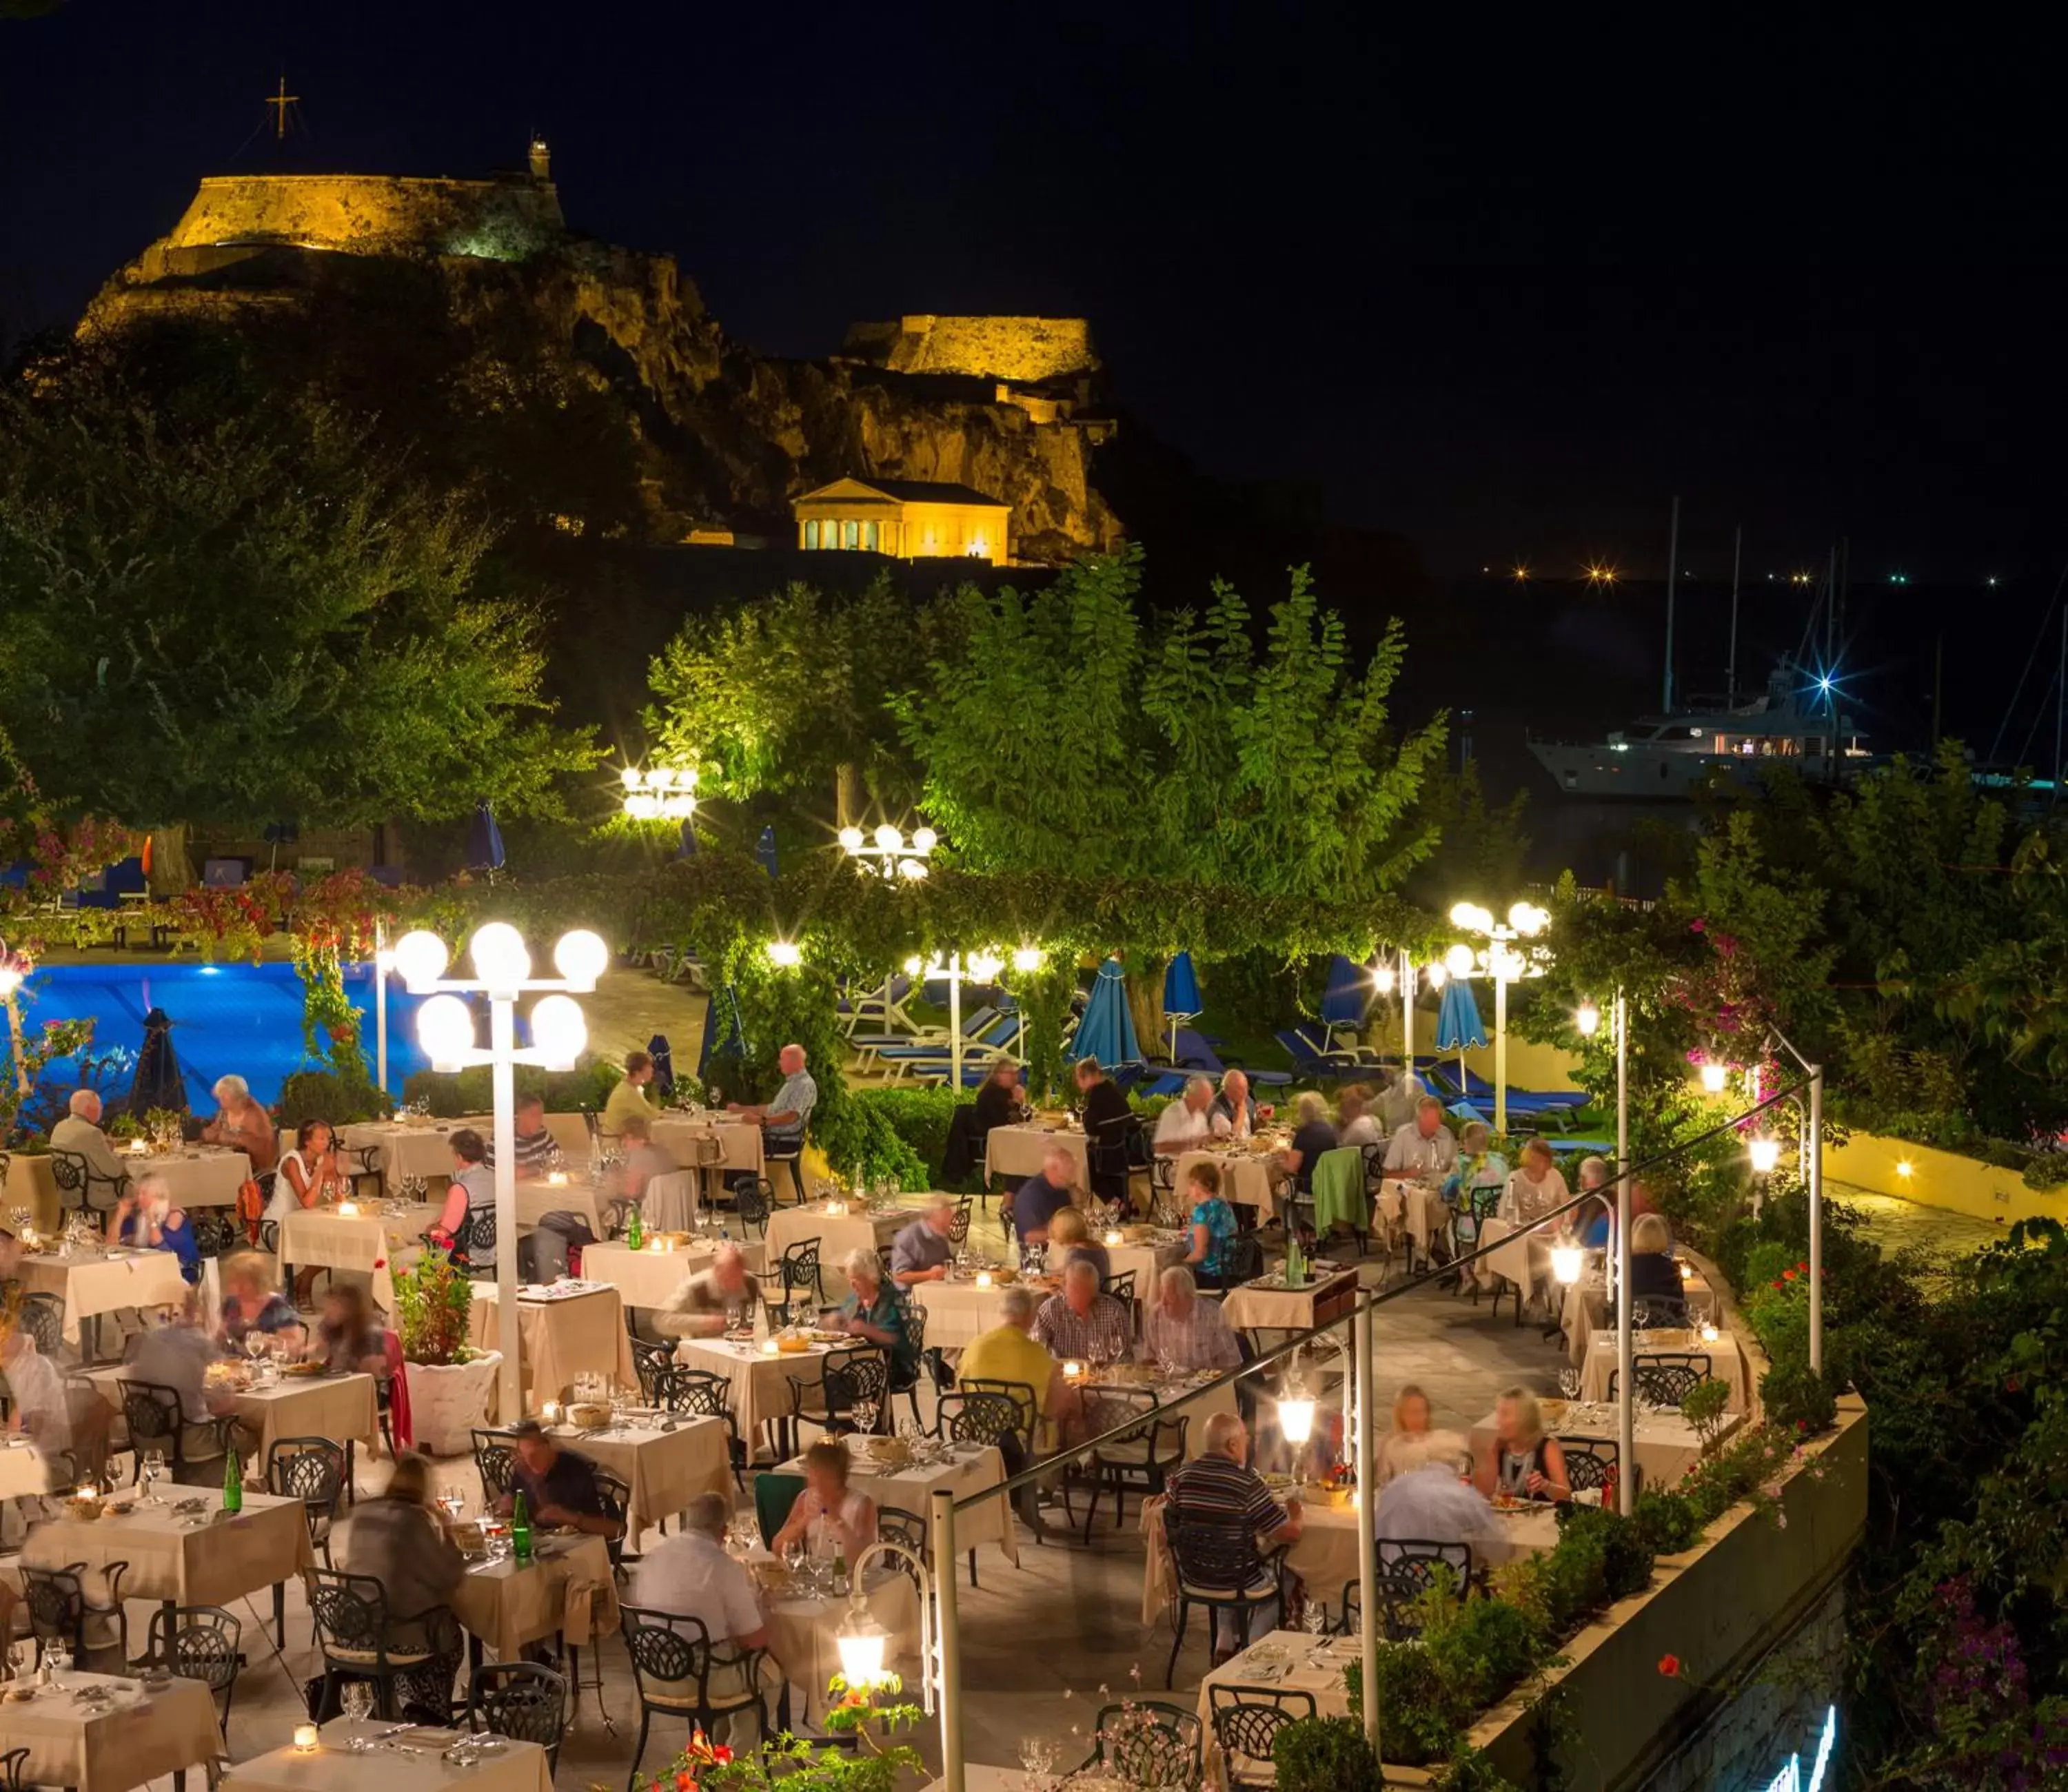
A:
(1069, 1230)
(1523, 1462)
(1404, 1447)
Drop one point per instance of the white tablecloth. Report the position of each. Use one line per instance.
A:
(331, 1766)
(1248, 1178)
(90, 1281)
(957, 1313)
(559, 1337)
(201, 1176)
(760, 1379)
(214, 1563)
(402, 1152)
(837, 1233)
(645, 1278)
(665, 1469)
(1587, 1311)
(1016, 1153)
(1726, 1360)
(368, 1241)
(677, 1135)
(912, 1489)
(1415, 1207)
(139, 1739)
(1667, 1446)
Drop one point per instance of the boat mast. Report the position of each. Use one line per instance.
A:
(1672, 566)
(2060, 701)
(1731, 671)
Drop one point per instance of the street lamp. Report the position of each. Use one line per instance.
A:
(444, 1028)
(1588, 1019)
(1764, 1151)
(1500, 959)
(660, 792)
(898, 856)
(862, 1640)
(1715, 1073)
(979, 968)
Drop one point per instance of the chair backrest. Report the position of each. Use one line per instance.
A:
(151, 1411)
(702, 1392)
(1665, 1378)
(478, 1245)
(1410, 1567)
(214, 1231)
(1106, 1408)
(1245, 1258)
(1025, 1404)
(593, 1127)
(857, 1382)
(958, 1231)
(1214, 1556)
(311, 1470)
(650, 1361)
(1590, 1462)
(799, 1266)
(1248, 1719)
(895, 1525)
(521, 1700)
(495, 1456)
(966, 1416)
(667, 1649)
(1484, 1201)
(1650, 1310)
(1375, 1165)
(752, 1197)
(43, 1317)
(1149, 1742)
(1121, 1287)
(11, 1765)
(56, 1600)
(350, 1612)
(774, 1495)
(196, 1642)
(616, 1495)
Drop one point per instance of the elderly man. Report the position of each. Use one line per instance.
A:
(1040, 1198)
(1106, 1118)
(689, 1575)
(713, 1301)
(1219, 1487)
(922, 1252)
(628, 1097)
(1008, 1352)
(1233, 1113)
(1187, 1123)
(1080, 1323)
(79, 1131)
(1423, 1148)
(873, 1311)
(1184, 1331)
(242, 1124)
(535, 1146)
(1427, 1499)
(1397, 1100)
(783, 1120)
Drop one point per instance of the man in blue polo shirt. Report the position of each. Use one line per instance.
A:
(1040, 1198)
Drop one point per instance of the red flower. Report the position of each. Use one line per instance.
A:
(1777, 1284)
(2011, 1386)
(722, 1754)
(684, 1783)
(1788, 1275)
(1669, 1665)
(380, 1262)
(1804, 1266)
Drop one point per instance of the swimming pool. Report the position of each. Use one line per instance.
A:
(241, 1019)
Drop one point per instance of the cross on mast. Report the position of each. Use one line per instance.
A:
(279, 103)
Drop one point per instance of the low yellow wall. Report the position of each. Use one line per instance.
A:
(1938, 1178)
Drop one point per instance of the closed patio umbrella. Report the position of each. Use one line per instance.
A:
(1458, 1027)
(1181, 996)
(484, 840)
(159, 1082)
(663, 1055)
(765, 849)
(1107, 1031)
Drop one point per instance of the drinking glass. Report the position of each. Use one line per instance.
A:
(1315, 1622)
(21, 1655)
(1037, 1755)
(152, 1469)
(357, 1697)
(1569, 1383)
(795, 1555)
(58, 1658)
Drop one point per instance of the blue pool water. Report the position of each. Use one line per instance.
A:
(241, 1019)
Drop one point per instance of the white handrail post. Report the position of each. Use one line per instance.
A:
(1367, 1494)
(1626, 1391)
(947, 1630)
(1816, 1168)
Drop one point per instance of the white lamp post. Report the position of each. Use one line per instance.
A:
(897, 856)
(1588, 1019)
(1501, 960)
(980, 968)
(660, 792)
(862, 1640)
(445, 1027)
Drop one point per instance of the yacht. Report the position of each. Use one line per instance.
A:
(1670, 758)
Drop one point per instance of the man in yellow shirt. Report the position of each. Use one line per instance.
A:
(628, 1098)
(1007, 1352)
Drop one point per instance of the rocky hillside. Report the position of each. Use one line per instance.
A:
(586, 387)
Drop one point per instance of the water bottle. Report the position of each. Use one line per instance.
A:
(233, 1483)
(635, 1233)
(520, 1528)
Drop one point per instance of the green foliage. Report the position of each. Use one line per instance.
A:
(325, 1095)
(453, 1093)
(433, 1300)
(1481, 846)
(1324, 1754)
(1704, 1407)
(1419, 1719)
(1666, 1520)
(229, 610)
(920, 1118)
(20, 1071)
(793, 1763)
(1798, 1399)
(1481, 1647)
(1626, 1552)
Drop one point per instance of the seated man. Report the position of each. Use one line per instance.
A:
(1423, 1148)
(922, 1250)
(1233, 1112)
(1187, 1122)
(1007, 1352)
(1082, 1325)
(1218, 1487)
(176, 1355)
(1040, 1198)
(1185, 1331)
(560, 1487)
(533, 1145)
(689, 1575)
(1428, 1501)
(713, 1301)
(80, 1133)
(784, 1119)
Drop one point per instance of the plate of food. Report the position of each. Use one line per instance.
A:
(303, 1371)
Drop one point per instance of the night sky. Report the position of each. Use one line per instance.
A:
(1503, 291)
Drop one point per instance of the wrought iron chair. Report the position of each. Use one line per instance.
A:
(1245, 1261)
(799, 1270)
(11, 1764)
(312, 1470)
(958, 1227)
(495, 1457)
(895, 1525)
(1660, 1311)
(521, 1700)
(198, 1642)
(59, 1612)
(1665, 1378)
(704, 1394)
(652, 1361)
(753, 1200)
(1026, 1410)
(43, 1318)
(1247, 1721)
(1219, 1567)
(988, 1415)
(1592, 1462)
(911, 1318)
(360, 1642)
(1121, 1288)
(83, 1189)
(1410, 1567)
(193, 1448)
(1474, 1208)
(474, 1249)
(850, 1394)
(672, 1659)
(1143, 1460)
(215, 1230)
(1146, 1743)
(616, 1492)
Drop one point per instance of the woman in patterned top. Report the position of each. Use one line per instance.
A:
(1212, 1255)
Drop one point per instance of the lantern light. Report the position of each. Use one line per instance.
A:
(1295, 1415)
(915, 965)
(1588, 1019)
(851, 839)
(984, 967)
(559, 1031)
(500, 959)
(421, 959)
(785, 954)
(1714, 1075)
(581, 957)
(1027, 958)
(860, 1639)
(1567, 1260)
(629, 778)
(1382, 979)
(1438, 975)
(445, 1029)
(1458, 960)
(888, 839)
(1765, 1155)
(924, 839)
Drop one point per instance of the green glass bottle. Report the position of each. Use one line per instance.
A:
(520, 1528)
(635, 1231)
(1296, 1267)
(233, 1483)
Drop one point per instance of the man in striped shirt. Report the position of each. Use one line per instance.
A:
(1219, 1487)
(1082, 1325)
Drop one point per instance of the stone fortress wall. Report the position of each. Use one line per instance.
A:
(504, 220)
(1017, 348)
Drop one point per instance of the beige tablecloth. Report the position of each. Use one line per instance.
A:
(837, 1234)
(538, 1197)
(331, 1767)
(95, 1281)
(1726, 1360)
(1294, 1647)
(1147, 1261)
(215, 1563)
(1253, 1307)
(912, 1490)
(206, 1176)
(507, 1604)
(558, 1339)
(645, 1278)
(957, 1313)
(1248, 1178)
(801, 1631)
(1016, 1153)
(1195, 1413)
(666, 1469)
(677, 1135)
(137, 1740)
(1587, 1311)
(1520, 1253)
(1415, 1207)
(368, 1241)
(1667, 1446)
(340, 1408)
(400, 1152)
(760, 1381)
(22, 1470)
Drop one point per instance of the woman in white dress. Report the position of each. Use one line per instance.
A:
(312, 1174)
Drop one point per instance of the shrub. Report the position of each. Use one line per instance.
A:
(1575, 1578)
(860, 1139)
(1483, 1646)
(1419, 1720)
(1666, 1521)
(325, 1095)
(920, 1118)
(1324, 1754)
(1798, 1399)
(433, 1300)
(2048, 1169)
(1626, 1552)
(471, 1091)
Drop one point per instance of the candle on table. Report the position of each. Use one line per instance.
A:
(556, 1179)
(770, 1348)
(1708, 1333)
(983, 1278)
(550, 1412)
(1115, 1238)
(305, 1738)
(1072, 1370)
(655, 1247)
(347, 1210)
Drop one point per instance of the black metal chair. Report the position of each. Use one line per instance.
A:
(1467, 1218)
(1665, 1378)
(1591, 1462)
(11, 1764)
(1245, 1260)
(215, 1230)
(1146, 1743)
(753, 1200)
(474, 1249)
(43, 1318)
(617, 1493)
(520, 1699)
(1143, 1460)
(1650, 1312)
(799, 1270)
(594, 1127)
(617, 1216)
(59, 1612)
(851, 1392)
(672, 1659)
(704, 1394)
(1219, 1567)
(651, 1362)
(83, 1189)
(973, 1414)
(198, 1642)
(1247, 1721)
(1027, 1409)
(895, 1525)
(312, 1470)
(358, 1641)
(912, 1316)
(958, 1228)
(1410, 1567)
(495, 1457)
(1121, 1288)
(193, 1448)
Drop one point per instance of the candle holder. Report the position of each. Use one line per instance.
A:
(1073, 1371)
(305, 1739)
(347, 1210)
(983, 1278)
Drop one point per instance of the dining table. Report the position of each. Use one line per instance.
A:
(411, 1152)
(666, 1459)
(1145, 1253)
(367, 1238)
(1288, 1660)
(909, 1486)
(366, 1754)
(650, 1277)
(840, 1226)
(1249, 1171)
(92, 1279)
(1018, 1151)
(1588, 1307)
(345, 1408)
(1410, 1206)
(564, 1330)
(960, 1309)
(1726, 1359)
(504, 1605)
(689, 1139)
(110, 1743)
(1667, 1445)
(804, 1620)
(537, 1196)
(1266, 1304)
(195, 1175)
(760, 1374)
(24, 1470)
(1169, 1390)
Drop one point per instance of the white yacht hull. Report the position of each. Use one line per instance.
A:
(1638, 770)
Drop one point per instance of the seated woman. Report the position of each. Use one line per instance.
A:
(405, 1542)
(348, 1341)
(872, 1310)
(1479, 1166)
(1407, 1442)
(998, 1102)
(1653, 1274)
(828, 1518)
(146, 1218)
(1355, 1122)
(1069, 1230)
(1211, 1257)
(1522, 1462)
(312, 1174)
(1536, 1187)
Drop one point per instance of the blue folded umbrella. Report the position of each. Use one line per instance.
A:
(1458, 1027)
(1107, 1031)
(1348, 993)
(1181, 987)
(484, 840)
(765, 849)
(663, 1055)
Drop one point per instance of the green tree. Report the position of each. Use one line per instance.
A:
(224, 607)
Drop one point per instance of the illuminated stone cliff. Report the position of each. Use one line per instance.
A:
(587, 383)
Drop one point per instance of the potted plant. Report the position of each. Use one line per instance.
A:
(449, 1381)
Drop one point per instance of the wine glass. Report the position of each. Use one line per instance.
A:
(794, 1555)
(356, 1696)
(58, 1659)
(1569, 1383)
(21, 1656)
(1037, 1755)
(152, 1469)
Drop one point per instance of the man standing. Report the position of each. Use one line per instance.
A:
(783, 1120)
(1219, 1487)
(1106, 1118)
(922, 1251)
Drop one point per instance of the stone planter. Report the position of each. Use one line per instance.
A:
(447, 1401)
